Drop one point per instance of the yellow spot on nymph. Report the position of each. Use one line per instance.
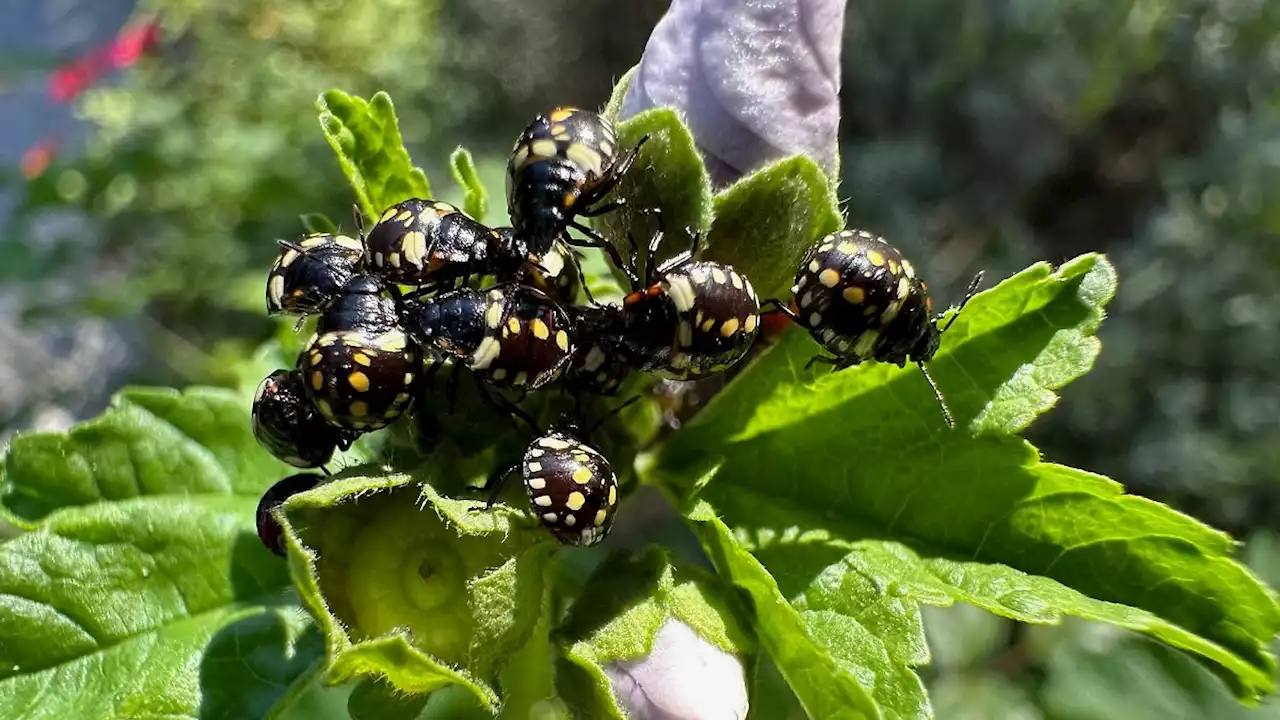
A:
(904, 289)
(561, 114)
(324, 407)
(315, 357)
(893, 267)
(613, 494)
(908, 269)
(276, 288)
(829, 277)
(562, 340)
(854, 294)
(408, 379)
(359, 381)
(542, 148)
(317, 380)
(520, 158)
(358, 408)
(390, 213)
(847, 248)
(287, 259)
(499, 374)
(569, 199)
(395, 259)
(729, 327)
(557, 130)
(521, 378)
(361, 359)
(582, 475)
(750, 325)
(681, 292)
(539, 328)
(513, 324)
(601, 515)
(710, 323)
(404, 216)
(875, 257)
(814, 266)
(685, 334)
(575, 500)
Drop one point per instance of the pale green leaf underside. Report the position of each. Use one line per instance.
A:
(476, 197)
(862, 454)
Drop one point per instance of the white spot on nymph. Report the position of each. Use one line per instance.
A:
(535, 452)
(807, 300)
(493, 315)
(866, 341)
(681, 292)
(595, 358)
(542, 501)
(815, 319)
(485, 354)
(553, 262)
(685, 334)
(553, 443)
(276, 288)
(536, 483)
(904, 289)
(699, 274)
(908, 269)
(718, 275)
(550, 517)
(736, 279)
(288, 258)
(815, 266)
(570, 520)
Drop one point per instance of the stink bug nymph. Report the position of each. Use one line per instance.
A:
(689, 319)
(269, 531)
(310, 273)
(860, 299)
(288, 426)
(361, 368)
(562, 166)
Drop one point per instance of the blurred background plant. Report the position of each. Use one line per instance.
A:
(133, 241)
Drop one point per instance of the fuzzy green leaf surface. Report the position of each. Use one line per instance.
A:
(148, 442)
(365, 135)
(141, 588)
(668, 175)
(413, 587)
(863, 455)
(766, 221)
(476, 197)
(625, 603)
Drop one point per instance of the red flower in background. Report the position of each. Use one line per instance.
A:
(38, 157)
(82, 73)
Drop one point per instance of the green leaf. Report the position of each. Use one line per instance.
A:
(149, 606)
(464, 172)
(148, 442)
(366, 138)
(766, 221)
(620, 611)
(668, 175)
(618, 95)
(825, 687)
(413, 587)
(376, 700)
(973, 514)
(318, 223)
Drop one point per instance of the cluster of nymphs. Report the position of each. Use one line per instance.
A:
(399, 302)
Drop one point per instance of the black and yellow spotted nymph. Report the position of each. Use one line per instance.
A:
(288, 426)
(562, 166)
(361, 368)
(601, 362)
(510, 336)
(310, 273)
(688, 320)
(419, 242)
(572, 488)
(861, 300)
